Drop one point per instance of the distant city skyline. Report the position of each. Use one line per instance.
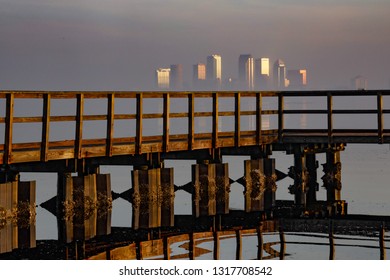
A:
(117, 45)
(253, 74)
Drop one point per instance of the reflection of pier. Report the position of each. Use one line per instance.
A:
(84, 195)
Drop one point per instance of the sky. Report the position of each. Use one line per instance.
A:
(118, 44)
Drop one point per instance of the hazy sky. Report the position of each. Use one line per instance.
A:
(117, 44)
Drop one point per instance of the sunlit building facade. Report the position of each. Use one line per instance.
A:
(199, 76)
(246, 71)
(214, 70)
(262, 73)
(163, 78)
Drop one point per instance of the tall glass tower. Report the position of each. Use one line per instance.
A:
(214, 69)
(245, 71)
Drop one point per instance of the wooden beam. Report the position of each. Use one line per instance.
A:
(260, 242)
(79, 125)
(166, 122)
(216, 249)
(9, 115)
(238, 245)
(139, 113)
(380, 117)
(110, 123)
(258, 117)
(330, 117)
(331, 240)
(45, 127)
(215, 120)
(237, 126)
(280, 116)
(191, 121)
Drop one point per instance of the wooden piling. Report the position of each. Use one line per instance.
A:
(254, 185)
(331, 241)
(26, 214)
(382, 242)
(146, 198)
(311, 167)
(192, 248)
(260, 242)
(216, 251)
(238, 245)
(270, 184)
(168, 197)
(282, 242)
(167, 249)
(104, 204)
(204, 196)
(222, 191)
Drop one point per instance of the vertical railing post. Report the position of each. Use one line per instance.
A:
(166, 122)
(215, 120)
(258, 117)
(191, 121)
(237, 116)
(9, 119)
(45, 126)
(330, 117)
(380, 117)
(138, 144)
(280, 116)
(79, 125)
(110, 123)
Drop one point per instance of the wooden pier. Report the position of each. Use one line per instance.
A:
(143, 129)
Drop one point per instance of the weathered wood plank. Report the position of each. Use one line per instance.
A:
(215, 120)
(258, 117)
(139, 124)
(237, 125)
(79, 126)
(380, 117)
(124, 253)
(166, 122)
(329, 102)
(280, 116)
(45, 127)
(110, 123)
(191, 121)
(9, 115)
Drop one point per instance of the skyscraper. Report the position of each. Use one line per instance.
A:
(214, 70)
(280, 79)
(176, 77)
(162, 78)
(245, 71)
(262, 72)
(199, 76)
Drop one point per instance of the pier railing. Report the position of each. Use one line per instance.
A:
(255, 118)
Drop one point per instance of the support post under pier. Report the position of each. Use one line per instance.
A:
(153, 198)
